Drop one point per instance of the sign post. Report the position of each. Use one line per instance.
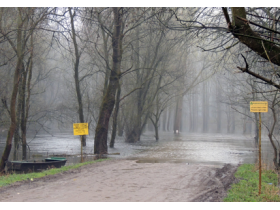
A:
(80, 129)
(259, 106)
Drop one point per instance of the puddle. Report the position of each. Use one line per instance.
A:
(187, 162)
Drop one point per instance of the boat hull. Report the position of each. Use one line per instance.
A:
(34, 166)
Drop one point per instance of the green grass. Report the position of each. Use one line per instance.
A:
(247, 189)
(11, 178)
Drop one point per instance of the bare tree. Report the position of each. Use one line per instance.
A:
(108, 101)
(24, 29)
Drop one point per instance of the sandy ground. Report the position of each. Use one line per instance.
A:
(126, 180)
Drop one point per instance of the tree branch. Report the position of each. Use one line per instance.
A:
(246, 70)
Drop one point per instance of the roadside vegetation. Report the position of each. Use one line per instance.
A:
(248, 187)
(11, 178)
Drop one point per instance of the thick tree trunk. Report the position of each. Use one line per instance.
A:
(106, 57)
(18, 113)
(156, 130)
(12, 128)
(115, 117)
(156, 133)
(18, 69)
(155, 124)
(22, 118)
(108, 102)
(242, 30)
(134, 135)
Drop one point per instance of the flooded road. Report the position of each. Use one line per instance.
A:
(210, 149)
(178, 168)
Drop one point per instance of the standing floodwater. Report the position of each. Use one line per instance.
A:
(211, 149)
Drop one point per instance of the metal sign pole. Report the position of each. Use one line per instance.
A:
(260, 153)
(81, 149)
(259, 106)
(80, 129)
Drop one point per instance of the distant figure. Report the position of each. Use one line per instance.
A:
(177, 131)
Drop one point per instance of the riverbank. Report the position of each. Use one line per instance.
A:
(246, 190)
(8, 179)
(126, 180)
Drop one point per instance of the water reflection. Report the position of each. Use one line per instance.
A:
(213, 149)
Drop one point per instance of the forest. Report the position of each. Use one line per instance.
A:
(126, 70)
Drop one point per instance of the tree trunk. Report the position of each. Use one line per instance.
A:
(18, 69)
(232, 122)
(218, 104)
(164, 119)
(106, 57)
(115, 117)
(242, 30)
(18, 113)
(156, 130)
(144, 80)
(22, 123)
(120, 125)
(135, 136)
(76, 74)
(191, 111)
(168, 119)
(195, 112)
(12, 128)
(205, 103)
(178, 115)
(228, 118)
(245, 121)
(108, 102)
(276, 165)
(25, 107)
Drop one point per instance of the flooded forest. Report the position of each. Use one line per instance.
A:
(141, 78)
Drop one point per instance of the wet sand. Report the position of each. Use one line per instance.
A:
(126, 181)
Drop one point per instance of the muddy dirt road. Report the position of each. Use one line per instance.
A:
(126, 180)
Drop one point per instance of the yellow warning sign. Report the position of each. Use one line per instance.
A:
(258, 106)
(80, 129)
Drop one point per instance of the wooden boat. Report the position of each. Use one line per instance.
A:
(35, 165)
(55, 158)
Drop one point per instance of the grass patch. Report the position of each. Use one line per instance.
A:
(247, 189)
(11, 178)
